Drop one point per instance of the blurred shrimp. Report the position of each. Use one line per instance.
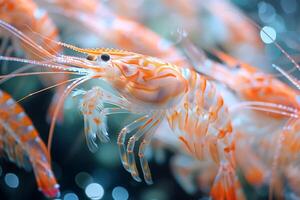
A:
(155, 90)
(21, 143)
(36, 24)
(124, 33)
(130, 8)
(257, 85)
(248, 82)
(217, 23)
(280, 149)
(235, 22)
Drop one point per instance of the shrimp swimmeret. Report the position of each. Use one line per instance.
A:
(20, 142)
(155, 90)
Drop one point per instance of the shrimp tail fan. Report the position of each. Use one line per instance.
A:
(21, 144)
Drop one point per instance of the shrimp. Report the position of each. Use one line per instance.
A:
(157, 90)
(120, 31)
(131, 8)
(21, 143)
(24, 14)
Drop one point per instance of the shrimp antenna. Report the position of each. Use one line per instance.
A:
(290, 77)
(6, 76)
(25, 39)
(45, 89)
(282, 110)
(61, 100)
(89, 51)
(285, 53)
(53, 66)
(69, 46)
(51, 49)
(19, 70)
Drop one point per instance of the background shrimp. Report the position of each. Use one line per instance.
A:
(21, 144)
(217, 23)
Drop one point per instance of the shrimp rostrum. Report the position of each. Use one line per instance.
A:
(155, 90)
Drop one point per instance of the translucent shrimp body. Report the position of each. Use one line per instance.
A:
(157, 90)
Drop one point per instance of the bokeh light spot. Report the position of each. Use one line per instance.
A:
(11, 180)
(70, 196)
(94, 191)
(268, 34)
(120, 193)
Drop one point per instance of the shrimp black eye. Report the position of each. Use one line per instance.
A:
(105, 57)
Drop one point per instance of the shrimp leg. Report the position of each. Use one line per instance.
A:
(143, 160)
(147, 128)
(122, 137)
(94, 114)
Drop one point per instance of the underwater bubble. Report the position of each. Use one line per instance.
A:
(120, 193)
(82, 179)
(268, 34)
(11, 180)
(94, 191)
(70, 196)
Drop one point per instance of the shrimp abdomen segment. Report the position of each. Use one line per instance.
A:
(20, 142)
(201, 119)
